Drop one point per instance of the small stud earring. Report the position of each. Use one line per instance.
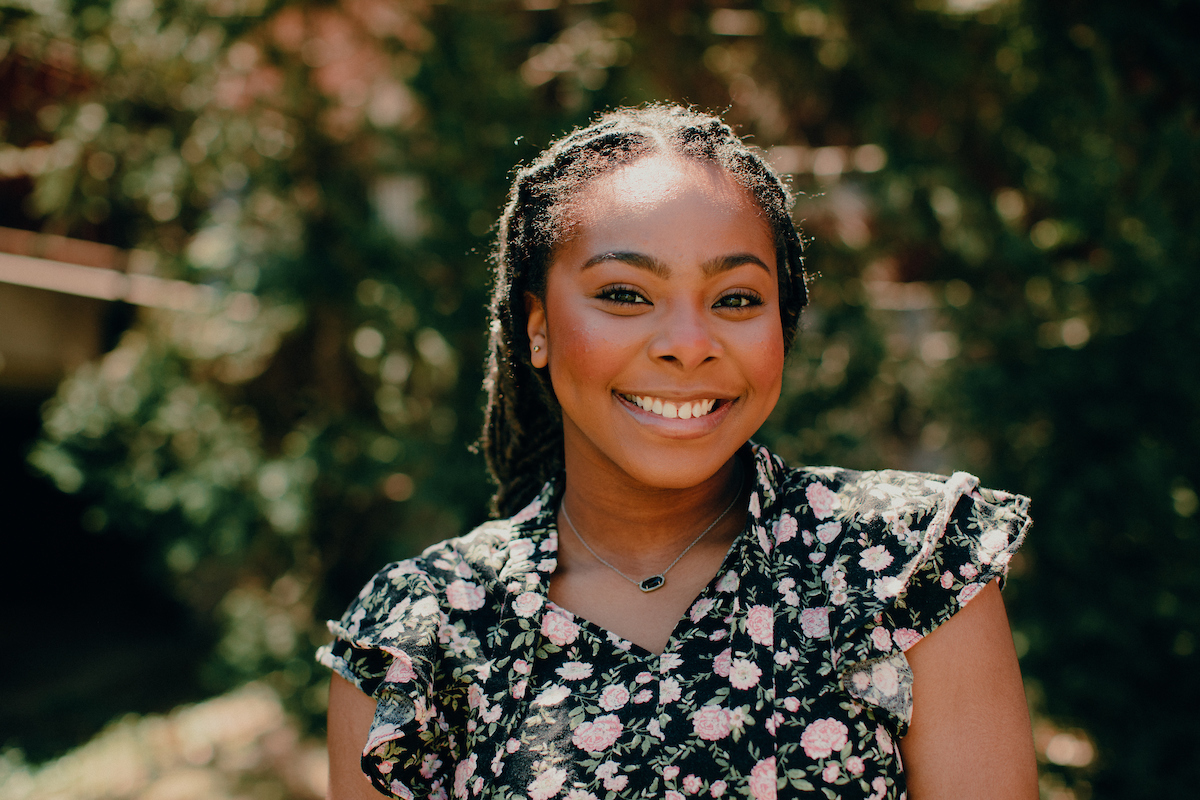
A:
(537, 348)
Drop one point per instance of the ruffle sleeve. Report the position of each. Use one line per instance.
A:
(387, 645)
(917, 549)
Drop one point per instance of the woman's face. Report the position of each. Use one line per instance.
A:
(661, 323)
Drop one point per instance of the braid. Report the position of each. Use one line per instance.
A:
(522, 436)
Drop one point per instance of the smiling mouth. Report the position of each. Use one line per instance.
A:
(690, 409)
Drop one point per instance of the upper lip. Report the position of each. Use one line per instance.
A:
(675, 396)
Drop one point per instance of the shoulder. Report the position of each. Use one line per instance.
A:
(455, 574)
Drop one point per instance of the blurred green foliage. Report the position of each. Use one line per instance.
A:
(1005, 242)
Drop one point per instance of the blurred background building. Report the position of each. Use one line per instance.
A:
(243, 270)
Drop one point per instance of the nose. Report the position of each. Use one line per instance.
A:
(687, 338)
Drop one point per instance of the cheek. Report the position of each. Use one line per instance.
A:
(584, 354)
(765, 364)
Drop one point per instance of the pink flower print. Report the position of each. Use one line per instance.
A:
(786, 528)
(884, 740)
(763, 781)
(522, 667)
(881, 638)
(643, 677)
(968, 592)
(692, 784)
(552, 695)
(773, 722)
(668, 662)
(528, 512)
(670, 773)
(905, 637)
(401, 791)
(548, 784)
(673, 795)
(828, 531)
(607, 770)
(644, 696)
(807, 538)
(492, 714)
(614, 697)
(712, 723)
(792, 704)
(729, 582)
(669, 691)
(580, 794)
(885, 678)
(861, 681)
(464, 595)
(559, 628)
(656, 730)
(527, 604)
(475, 697)
(855, 765)
(880, 787)
(744, 674)
(401, 670)
(760, 624)
(947, 579)
(616, 783)
(831, 772)
(991, 543)
(821, 500)
(574, 671)
(875, 558)
(718, 788)
(477, 787)
(462, 774)
(430, 764)
(722, 662)
(761, 534)
(597, 735)
(823, 737)
(519, 688)
(815, 622)
(753, 506)
(701, 608)
(512, 745)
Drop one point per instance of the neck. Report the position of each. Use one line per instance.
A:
(643, 527)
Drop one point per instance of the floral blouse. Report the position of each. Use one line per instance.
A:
(787, 676)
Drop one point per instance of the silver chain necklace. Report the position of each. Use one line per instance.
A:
(654, 581)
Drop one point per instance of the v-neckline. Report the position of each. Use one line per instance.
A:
(680, 630)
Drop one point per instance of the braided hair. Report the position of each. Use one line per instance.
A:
(522, 436)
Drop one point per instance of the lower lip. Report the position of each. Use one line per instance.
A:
(677, 428)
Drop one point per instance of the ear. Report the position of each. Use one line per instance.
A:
(535, 326)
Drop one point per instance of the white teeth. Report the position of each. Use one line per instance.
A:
(692, 409)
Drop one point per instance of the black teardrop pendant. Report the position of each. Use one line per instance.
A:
(652, 583)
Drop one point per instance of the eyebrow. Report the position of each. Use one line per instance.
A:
(659, 269)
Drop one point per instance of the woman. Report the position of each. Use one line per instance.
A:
(668, 610)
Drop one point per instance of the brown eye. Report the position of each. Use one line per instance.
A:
(623, 295)
(738, 300)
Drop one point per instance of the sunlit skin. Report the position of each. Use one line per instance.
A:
(666, 287)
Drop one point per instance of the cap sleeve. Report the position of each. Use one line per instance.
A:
(386, 644)
(922, 552)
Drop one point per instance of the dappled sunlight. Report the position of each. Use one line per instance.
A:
(238, 745)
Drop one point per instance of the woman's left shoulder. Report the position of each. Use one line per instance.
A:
(879, 532)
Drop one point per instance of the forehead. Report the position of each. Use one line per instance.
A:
(661, 190)
(655, 182)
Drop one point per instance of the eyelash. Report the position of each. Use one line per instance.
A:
(620, 295)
